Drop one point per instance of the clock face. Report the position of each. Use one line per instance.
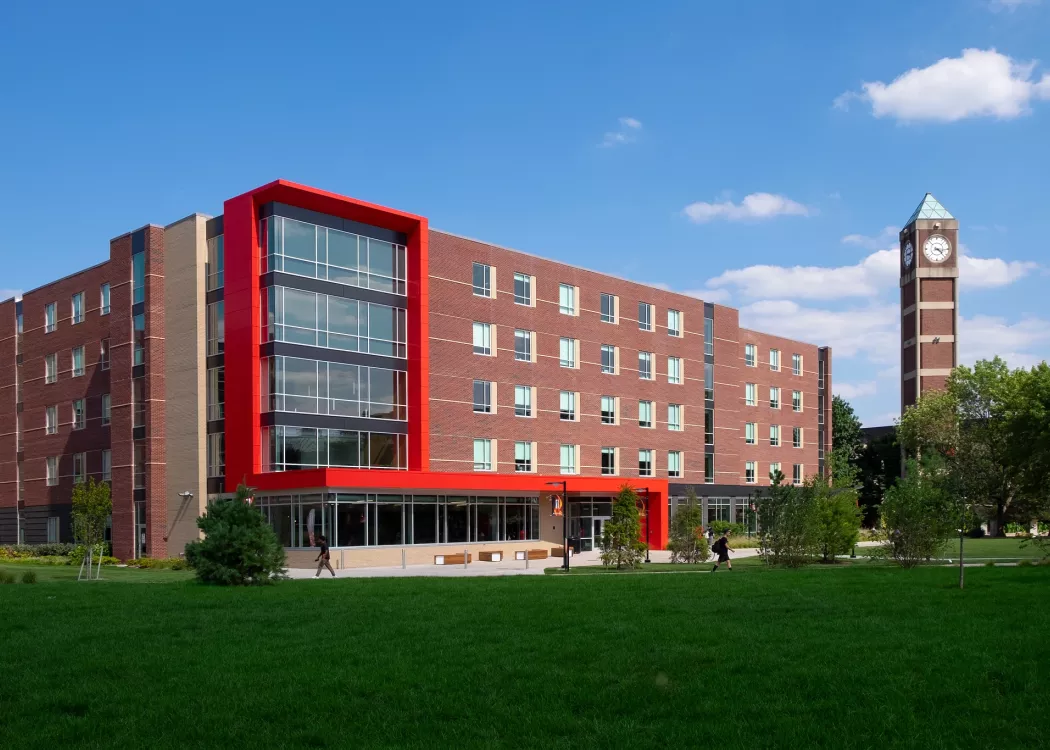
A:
(909, 254)
(937, 248)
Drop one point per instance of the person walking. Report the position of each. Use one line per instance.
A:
(722, 549)
(323, 558)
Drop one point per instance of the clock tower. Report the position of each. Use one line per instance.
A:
(929, 245)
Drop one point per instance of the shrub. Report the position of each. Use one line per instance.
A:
(6, 577)
(1025, 563)
(787, 523)
(29, 576)
(239, 547)
(76, 555)
(621, 543)
(169, 563)
(686, 541)
(733, 529)
(917, 517)
(838, 518)
(20, 551)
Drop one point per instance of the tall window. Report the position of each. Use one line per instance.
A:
(50, 368)
(522, 456)
(286, 447)
(645, 462)
(522, 345)
(567, 353)
(796, 437)
(482, 454)
(674, 417)
(216, 328)
(709, 426)
(674, 323)
(335, 322)
(568, 459)
(608, 311)
(774, 435)
(796, 400)
(522, 401)
(107, 465)
(49, 317)
(608, 461)
(139, 331)
(774, 469)
(774, 398)
(674, 463)
(645, 365)
(216, 454)
(310, 386)
(216, 393)
(750, 430)
(79, 468)
(796, 364)
(674, 370)
(709, 381)
(482, 280)
(774, 359)
(483, 339)
(106, 408)
(567, 406)
(78, 414)
(482, 397)
(749, 472)
(709, 336)
(77, 313)
(750, 394)
(750, 355)
(138, 402)
(213, 267)
(138, 278)
(78, 361)
(567, 299)
(609, 359)
(796, 474)
(645, 316)
(709, 468)
(52, 471)
(645, 413)
(139, 465)
(51, 420)
(608, 410)
(522, 289)
(103, 354)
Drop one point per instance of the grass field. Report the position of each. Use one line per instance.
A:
(982, 550)
(855, 657)
(68, 573)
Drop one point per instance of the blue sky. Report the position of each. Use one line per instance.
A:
(624, 137)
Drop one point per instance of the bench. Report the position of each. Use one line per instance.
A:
(560, 552)
(492, 556)
(456, 559)
(530, 554)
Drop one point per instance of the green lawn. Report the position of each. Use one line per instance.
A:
(68, 573)
(853, 657)
(982, 550)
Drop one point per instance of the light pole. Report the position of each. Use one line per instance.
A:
(647, 520)
(564, 519)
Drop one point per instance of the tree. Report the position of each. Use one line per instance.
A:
(621, 543)
(846, 442)
(879, 466)
(686, 541)
(837, 518)
(92, 506)
(1028, 431)
(917, 515)
(787, 524)
(239, 547)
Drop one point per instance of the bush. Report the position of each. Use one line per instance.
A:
(838, 518)
(169, 563)
(917, 517)
(686, 541)
(77, 554)
(733, 529)
(239, 546)
(6, 577)
(787, 523)
(29, 576)
(621, 543)
(20, 551)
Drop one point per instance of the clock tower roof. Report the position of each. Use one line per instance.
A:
(930, 208)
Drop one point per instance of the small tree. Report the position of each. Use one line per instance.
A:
(92, 507)
(687, 542)
(787, 523)
(239, 546)
(837, 518)
(621, 543)
(918, 516)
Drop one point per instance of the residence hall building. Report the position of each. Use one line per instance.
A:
(393, 387)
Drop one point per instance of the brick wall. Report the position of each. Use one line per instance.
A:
(8, 423)
(937, 290)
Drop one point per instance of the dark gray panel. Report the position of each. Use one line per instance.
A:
(213, 227)
(215, 360)
(333, 289)
(34, 522)
(215, 295)
(216, 426)
(282, 349)
(8, 526)
(333, 222)
(216, 485)
(292, 419)
(712, 490)
(138, 241)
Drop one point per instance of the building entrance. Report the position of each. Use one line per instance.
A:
(587, 518)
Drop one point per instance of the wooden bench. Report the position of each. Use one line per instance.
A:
(490, 556)
(455, 559)
(537, 554)
(560, 552)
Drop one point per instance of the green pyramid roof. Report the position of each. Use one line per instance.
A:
(930, 208)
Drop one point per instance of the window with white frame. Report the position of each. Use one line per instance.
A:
(796, 474)
(566, 299)
(52, 529)
(483, 339)
(49, 317)
(213, 266)
(645, 365)
(52, 471)
(674, 370)
(674, 323)
(522, 289)
(482, 397)
(78, 414)
(674, 417)
(215, 390)
(750, 394)
(796, 437)
(78, 361)
(522, 345)
(674, 464)
(50, 368)
(567, 352)
(750, 355)
(103, 354)
(774, 398)
(77, 308)
(709, 426)
(645, 316)
(608, 410)
(482, 280)
(609, 305)
(107, 465)
(522, 401)
(774, 360)
(79, 468)
(796, 364)
(608, 461)
(522, 456)
(216, 458)
(51, 420)
(774, 435)
(749, 472)
(645, 462)
(645, 413)
(750, 431)
(796, 400)
(567, 455)
(567, 406)
(609, 359)
(709, 381)
(106, 408)
(774, 469)
(482, 454)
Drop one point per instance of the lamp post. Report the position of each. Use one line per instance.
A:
(564, 519)
(647, 521)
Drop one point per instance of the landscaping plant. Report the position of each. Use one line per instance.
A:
(686, 540)
(621, 543)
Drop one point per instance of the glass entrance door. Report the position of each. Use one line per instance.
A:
(140, 529)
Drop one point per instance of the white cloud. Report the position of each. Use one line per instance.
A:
(984, 273)
(853, 390)
(716, 296)
(628, 133)
(871, 243)
(980, 83)
(1021, 344)
(1010, 5)
(9, 293)
(754, 206)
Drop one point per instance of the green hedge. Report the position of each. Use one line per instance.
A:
(17, 551)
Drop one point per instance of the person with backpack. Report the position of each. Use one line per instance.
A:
(722, 549)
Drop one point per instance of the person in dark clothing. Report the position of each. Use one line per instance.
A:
(323, 558)
(722, 549)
